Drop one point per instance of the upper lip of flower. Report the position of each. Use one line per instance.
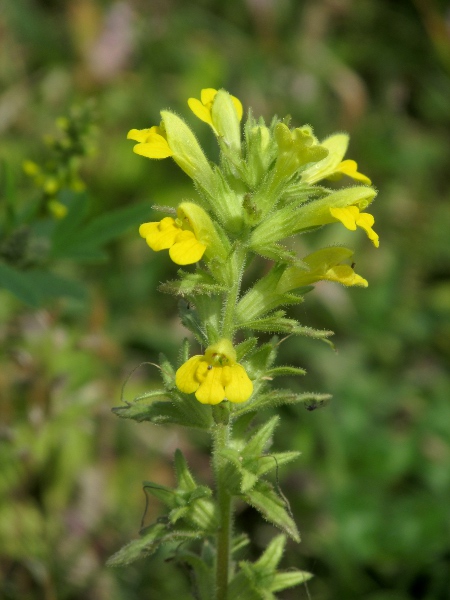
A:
(152, 142)
(203, 108)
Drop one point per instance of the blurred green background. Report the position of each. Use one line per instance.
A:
(371, 491)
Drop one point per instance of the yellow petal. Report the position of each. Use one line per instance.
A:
(155, 146)
(211, 390)
(346, 275)
(163, 236)
(347, 216)
(238, 106)
(365, 221)
(141, 135)
(207, 96)
(185, 377)
(200, 111)
(148, 228)
(350, 168)
(238, 387)
(187, 249)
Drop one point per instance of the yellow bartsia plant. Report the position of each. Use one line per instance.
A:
(263, 191)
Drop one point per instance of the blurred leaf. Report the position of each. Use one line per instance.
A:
(185, 411)
(18, 283)
(77, 241)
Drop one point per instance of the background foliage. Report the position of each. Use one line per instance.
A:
(371, 490)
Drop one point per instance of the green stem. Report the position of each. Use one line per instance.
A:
(221, 434)
(228, 323)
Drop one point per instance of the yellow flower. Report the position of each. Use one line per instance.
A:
(184, 247)
(324, 265)
(351, 217)
(203, 108)
(349, 168)
(215, 376)
(152, 142)
(333, 167)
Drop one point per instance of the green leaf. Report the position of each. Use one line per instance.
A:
(273, 461)
(288, 579)
(272, 507)
(152, 538)
(163, 493)
(190, 319)
(240, 541)
(272, 324)
(280, 371)
(200, 282)
(240, 427)
(19, 284)
(260, 440)
(269, 560)
(184, 477)
(204, 584)
(279, 397)
(313, 333)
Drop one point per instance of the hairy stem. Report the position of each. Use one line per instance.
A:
(228, 322)
(221, 434)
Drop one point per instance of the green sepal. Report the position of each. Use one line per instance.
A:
(184, 353)
(187, 152)
(178, 410)
(278, 397)
(245, 347)
(275, 323)
(283, 371)
(261, 360)
(299, 193)
(151, 538)
(226, 203)
(198, 282)
(263, 297)
(272, 507)
(275, 252)
(260, 149)
(226, 122)
(167, 372)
